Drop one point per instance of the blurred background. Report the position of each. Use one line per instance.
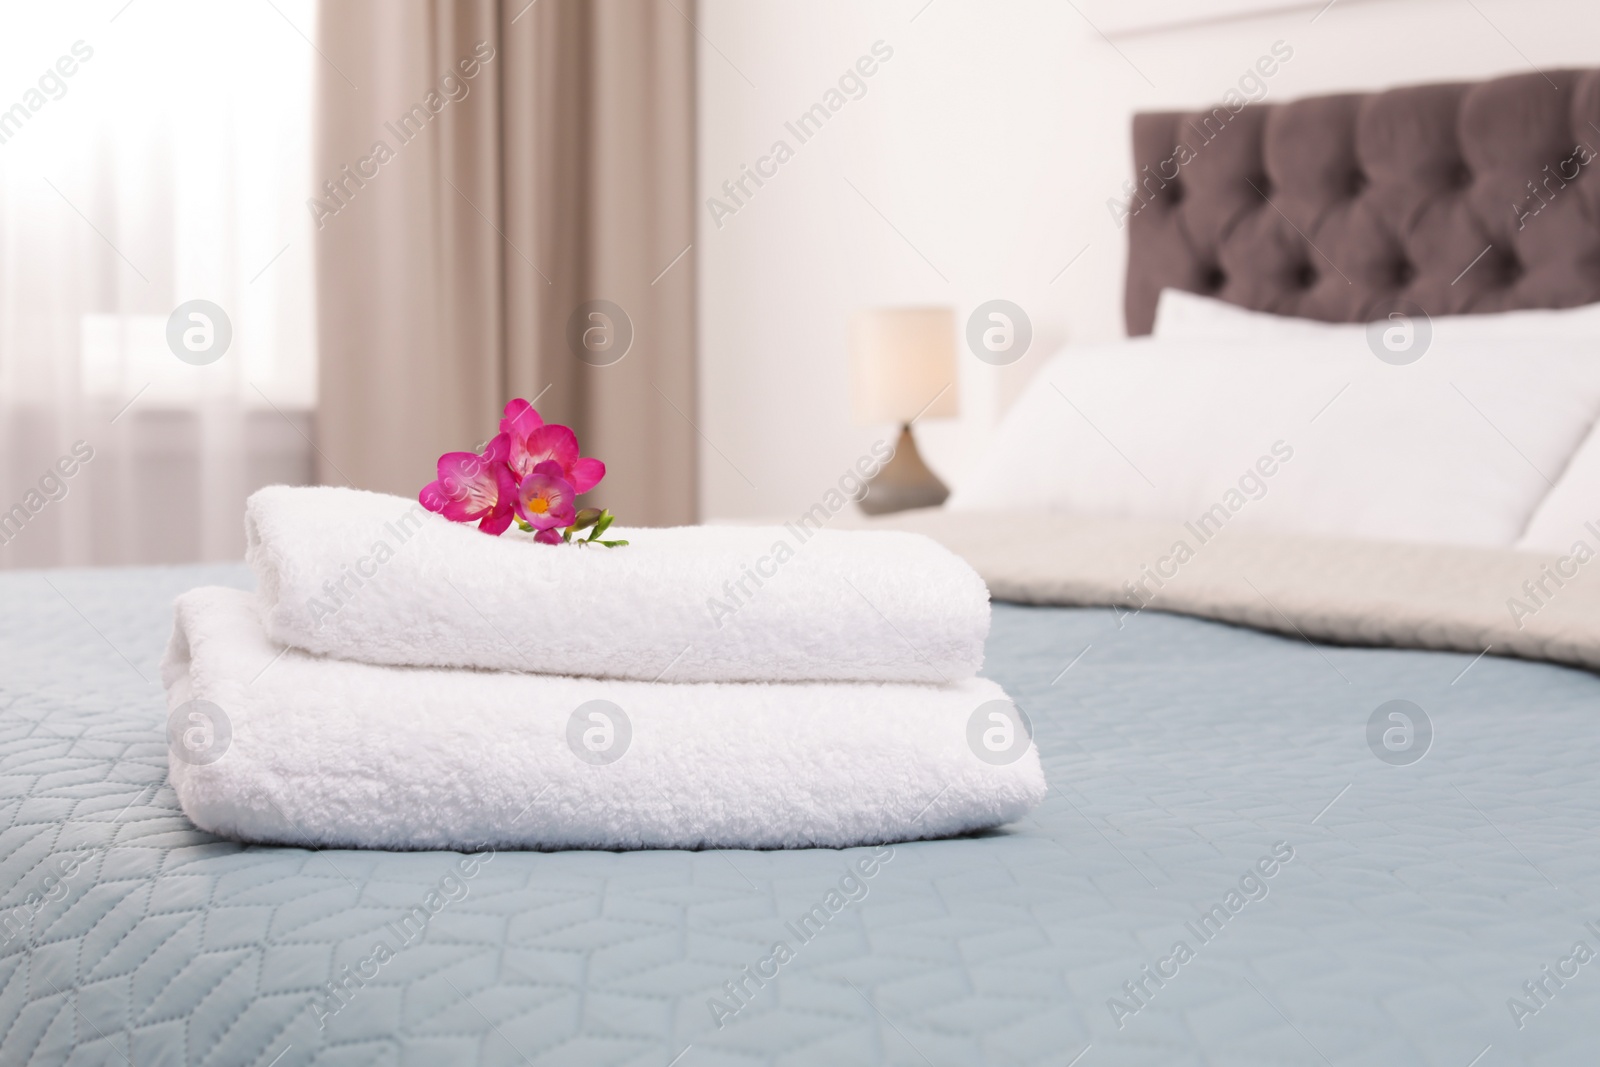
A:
(287, 241)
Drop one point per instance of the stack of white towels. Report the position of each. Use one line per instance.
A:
(401, 681)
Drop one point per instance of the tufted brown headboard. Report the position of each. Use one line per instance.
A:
(1341, 208)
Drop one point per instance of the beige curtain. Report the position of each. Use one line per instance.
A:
(486, 171)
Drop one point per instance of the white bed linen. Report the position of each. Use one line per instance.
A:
(1189, 316)
(1294, 434)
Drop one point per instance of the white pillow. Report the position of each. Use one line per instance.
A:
(1308, 436)
(1189, 316)
(1182, 315)
(1564, 516)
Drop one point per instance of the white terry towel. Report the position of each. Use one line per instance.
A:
(370, 577)
(276, 746)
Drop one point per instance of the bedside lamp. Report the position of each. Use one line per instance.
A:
(903, 366)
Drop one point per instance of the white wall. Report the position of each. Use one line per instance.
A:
(990, 141)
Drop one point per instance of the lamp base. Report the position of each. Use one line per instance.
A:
(904, 482)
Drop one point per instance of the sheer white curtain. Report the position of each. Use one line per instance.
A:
(152, 154)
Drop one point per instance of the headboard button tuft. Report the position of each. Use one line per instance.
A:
(1405, 187)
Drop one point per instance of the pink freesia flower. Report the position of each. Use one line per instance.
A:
(530, 471)
(533, 441)
(475, 487)
(544, 501)
(520, 419)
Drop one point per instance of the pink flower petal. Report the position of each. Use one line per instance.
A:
(432, 497)
(504, 510)
(548, 537)
(472, 486)
(520, 419)
(496, 522)
(552, 442)
(469, 485)
(586, 473)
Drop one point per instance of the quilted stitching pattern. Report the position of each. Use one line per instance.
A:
(1343, 208)
(1418, 901)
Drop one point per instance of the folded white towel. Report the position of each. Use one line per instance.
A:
(276, 746)
(375, 578)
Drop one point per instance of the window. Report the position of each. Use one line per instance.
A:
(152, 155)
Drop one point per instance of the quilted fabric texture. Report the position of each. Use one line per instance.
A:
(1418, 899)
(1449, 198)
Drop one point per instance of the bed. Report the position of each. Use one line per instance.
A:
(1369, 855)
(1182, 751)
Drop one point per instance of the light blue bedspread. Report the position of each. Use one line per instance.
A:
(1383, 911)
